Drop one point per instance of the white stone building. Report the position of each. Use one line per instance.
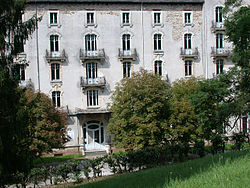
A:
(82, 48)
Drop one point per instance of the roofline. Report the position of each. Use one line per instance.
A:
(121, 1)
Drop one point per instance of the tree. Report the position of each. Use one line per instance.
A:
(29, 123)
(13, 32)
(183, 121)
(46, 124)
(139, 111)
(237, 23)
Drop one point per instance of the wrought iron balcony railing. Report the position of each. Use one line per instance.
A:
(92, 55)
(127, 54)
(92, 82)
(55, 56)
(189, 53)
(217, 26)
(221, 52)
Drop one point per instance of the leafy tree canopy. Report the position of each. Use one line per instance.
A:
(139, 111)
(183, 120)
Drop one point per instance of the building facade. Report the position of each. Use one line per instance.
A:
(82, 48)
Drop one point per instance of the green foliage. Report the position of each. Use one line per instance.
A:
(96, 165)
(46, 124)
(139, 111)
(183, 120)
(237, 23)
(239, 139)
(13, 33)
(211, 106)
(222, 170)
(45, 160)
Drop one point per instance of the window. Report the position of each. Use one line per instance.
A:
(188, 41)
(56, 98)
(53, 17)
(54, 43)
(127, 69)
(218, 14)
(55, 71)
(125, 18)
(90, 42)
(219, 66)
(244, 124)
(158, 67)
(91, 70)
(157, 42)
(92, 98)
(188, 18)
(126, 42)
(157, 18)
(219, 40)
(188, 68)
(20, 72)
(90, 18)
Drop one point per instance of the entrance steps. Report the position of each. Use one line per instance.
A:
(95, 153)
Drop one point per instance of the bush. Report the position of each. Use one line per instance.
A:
(199, 148)
(239, 139)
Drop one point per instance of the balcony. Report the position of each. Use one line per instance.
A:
(92, 55)
(221, 52)
(189, 53)
(26, 83)
(127, 54)
(217, 27)
(55, 56)
(20, 58)
(93, 82)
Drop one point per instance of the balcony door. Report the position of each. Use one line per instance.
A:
(188, 44)
(91, 73)
(90, 45)
(126, 45)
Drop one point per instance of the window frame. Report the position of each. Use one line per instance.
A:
(91, 70)
(50, 23)
(219, 66)
(158, 67)
(55, 72)
(56, 98)
(218, 14)
(126, 42)
(158, 42)
(91, 43)
(92, 98)
(219, 40)
(55, 43)
(191, 18)
(126, 69)
(19, 70)
(159, 18)
(188, 68)
(87, 23)
(123, 23)
(188, 41)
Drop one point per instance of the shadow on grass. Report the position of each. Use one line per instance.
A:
(158, 177)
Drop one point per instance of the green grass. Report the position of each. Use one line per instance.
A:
(56, 159)
(229, 170)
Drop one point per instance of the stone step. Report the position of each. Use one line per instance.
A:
(95, 153)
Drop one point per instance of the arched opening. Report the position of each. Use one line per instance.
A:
(93, 133)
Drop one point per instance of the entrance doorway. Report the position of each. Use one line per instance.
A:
(93, 132)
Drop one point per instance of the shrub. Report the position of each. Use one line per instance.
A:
(239, 139)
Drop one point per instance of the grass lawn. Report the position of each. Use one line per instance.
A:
(56, 159)
(229, 170)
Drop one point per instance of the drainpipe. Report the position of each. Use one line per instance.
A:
(37, 52)
(204, 42)
(142, 30)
